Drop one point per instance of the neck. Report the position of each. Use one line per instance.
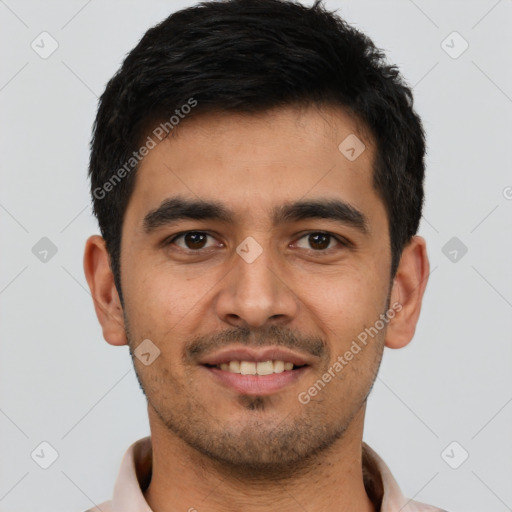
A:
(184, 479)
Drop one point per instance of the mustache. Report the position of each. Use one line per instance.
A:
(269, 336)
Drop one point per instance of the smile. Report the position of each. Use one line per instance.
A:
(261, 378)
(257, 368)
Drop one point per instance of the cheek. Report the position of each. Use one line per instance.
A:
(160, 298)
(345, 297)
(343, 306)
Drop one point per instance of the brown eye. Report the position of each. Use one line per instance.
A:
(195, 240)
(192, 240)
(319, 241)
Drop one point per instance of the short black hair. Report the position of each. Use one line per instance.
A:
(249, 56)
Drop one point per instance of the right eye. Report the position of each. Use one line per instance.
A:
(192, 241)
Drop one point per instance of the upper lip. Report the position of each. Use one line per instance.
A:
(255, 355)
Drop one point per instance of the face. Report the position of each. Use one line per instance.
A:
(284, 257)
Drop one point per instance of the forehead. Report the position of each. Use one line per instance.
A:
(253, 163)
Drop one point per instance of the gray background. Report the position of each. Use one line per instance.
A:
(61, 383)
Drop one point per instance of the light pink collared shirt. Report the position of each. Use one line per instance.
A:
(135, 473)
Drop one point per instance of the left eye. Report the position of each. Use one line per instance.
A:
(320, 241)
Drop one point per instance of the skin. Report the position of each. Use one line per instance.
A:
(213, 448)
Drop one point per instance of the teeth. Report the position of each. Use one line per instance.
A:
(247, 368)
(234, 366)
(278, 366)
(265, 368)
(252, 368)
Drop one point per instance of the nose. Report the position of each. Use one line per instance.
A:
(254, 293)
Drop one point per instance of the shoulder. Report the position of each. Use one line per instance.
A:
(416, 506)
(106, 506)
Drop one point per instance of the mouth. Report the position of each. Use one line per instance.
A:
(256, 368)
(256, 372)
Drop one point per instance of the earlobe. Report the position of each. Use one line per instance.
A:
(103, 291)
(407, 291)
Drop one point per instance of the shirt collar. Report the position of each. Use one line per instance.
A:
(135, 473)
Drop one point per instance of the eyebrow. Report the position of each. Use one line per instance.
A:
(179, 208)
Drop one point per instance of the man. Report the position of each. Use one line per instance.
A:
(257, 174)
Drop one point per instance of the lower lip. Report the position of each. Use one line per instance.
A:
(260, 385)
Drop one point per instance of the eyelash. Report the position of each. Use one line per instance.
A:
(343, 242)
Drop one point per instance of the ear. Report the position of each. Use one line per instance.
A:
(408, 289)
(103, 290)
